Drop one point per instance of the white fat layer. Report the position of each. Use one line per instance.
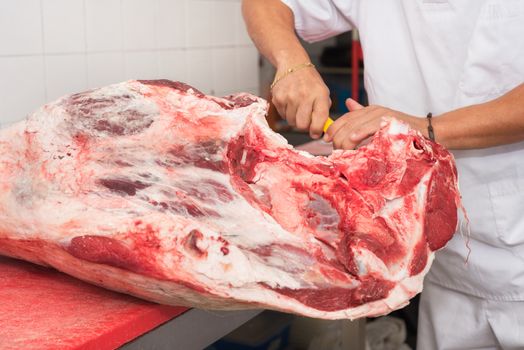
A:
(244, 155)
(394, 127)
(113, 213)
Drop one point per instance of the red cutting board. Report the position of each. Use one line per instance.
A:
(41, 308)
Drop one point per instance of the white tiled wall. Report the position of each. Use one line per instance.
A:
(49, 48)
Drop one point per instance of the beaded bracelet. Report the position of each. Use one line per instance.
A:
(431, 133)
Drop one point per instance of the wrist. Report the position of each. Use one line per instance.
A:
(293, 69)
(287, 60)
(431, 131)
(420, 124)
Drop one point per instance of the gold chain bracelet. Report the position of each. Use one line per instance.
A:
(291, 70)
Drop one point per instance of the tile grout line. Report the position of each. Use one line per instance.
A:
(213, 50)
(190, 48)
(184, 41)
(186, 35)
(122, 47)
(157, 43)
(86, 64)
(44, 61)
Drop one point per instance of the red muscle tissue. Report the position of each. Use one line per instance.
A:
(154, 189)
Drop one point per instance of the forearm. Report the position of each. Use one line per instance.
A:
(270, 24)
(493, 123)
(302, 98)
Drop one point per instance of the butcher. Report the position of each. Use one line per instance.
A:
(454, 70)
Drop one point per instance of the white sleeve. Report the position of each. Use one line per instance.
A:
(317, 20)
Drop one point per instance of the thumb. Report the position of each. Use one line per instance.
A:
(353, 105)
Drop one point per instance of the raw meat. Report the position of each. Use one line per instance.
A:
(152, 188)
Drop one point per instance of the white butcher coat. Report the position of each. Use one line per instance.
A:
(434, 56)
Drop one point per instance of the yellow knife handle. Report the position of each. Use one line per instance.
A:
(328, 123)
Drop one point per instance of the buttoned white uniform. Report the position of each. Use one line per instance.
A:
(435, 56)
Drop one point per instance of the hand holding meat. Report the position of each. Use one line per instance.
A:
(353, 128)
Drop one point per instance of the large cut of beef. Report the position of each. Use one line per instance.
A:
(154, 189)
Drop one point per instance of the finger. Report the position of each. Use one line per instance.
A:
(364, 132)
(339, 139)
(303, 116)
(319, 116)
(291, 114)
(336, 126)
(353, 105)
(366, 129)
(357, 130)
(348, 143)
(280, 106)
